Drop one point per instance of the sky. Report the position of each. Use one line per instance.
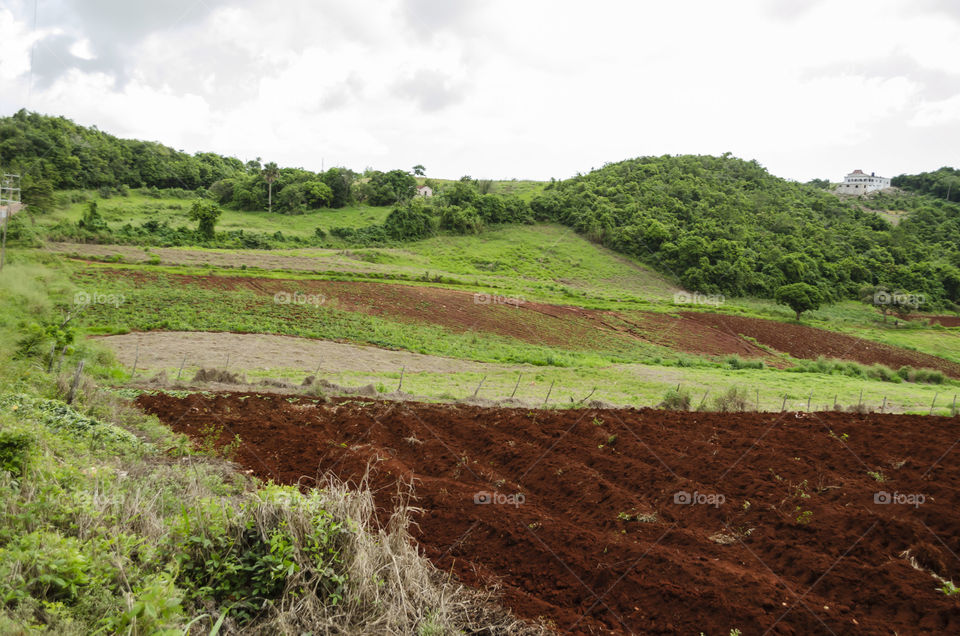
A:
(528, 89)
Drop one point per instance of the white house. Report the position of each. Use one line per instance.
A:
(424, 191)
(858, 182)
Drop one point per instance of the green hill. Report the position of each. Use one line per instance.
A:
(721, 224)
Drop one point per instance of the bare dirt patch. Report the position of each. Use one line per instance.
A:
(810, 343)
(587, 525)
(166, 349)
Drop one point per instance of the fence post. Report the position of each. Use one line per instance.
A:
(53, 356)
(515, 386)
(783, 407)
(479, 385)
(549, 391)
(883, 407)
(180, 370)
(703, 401)
(136, 359)
(934, 402)
(76, 381)
(399, 386)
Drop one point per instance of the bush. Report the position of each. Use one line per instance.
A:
(413, 221)
(677, 399)
(247, 556)
(15, 449)
(734, 399)
(736, 362)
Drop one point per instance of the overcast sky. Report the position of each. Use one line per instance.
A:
(502, 89)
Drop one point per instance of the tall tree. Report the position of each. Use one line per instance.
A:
(800, 297)
(419, 170)
(206, 212)
(270, 174)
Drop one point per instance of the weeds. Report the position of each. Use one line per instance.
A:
(677, 399)
(734, 399)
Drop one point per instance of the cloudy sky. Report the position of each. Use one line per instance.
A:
(501, 89)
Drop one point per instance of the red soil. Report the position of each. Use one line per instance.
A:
(946, 321)
(811, 343)
(571, 327)
(533, 322)
(566, 554)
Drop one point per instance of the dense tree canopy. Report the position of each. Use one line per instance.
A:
(943, 183)
(55, 149)
(724, 225)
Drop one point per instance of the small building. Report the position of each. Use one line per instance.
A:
(424, 191)
(859, 182)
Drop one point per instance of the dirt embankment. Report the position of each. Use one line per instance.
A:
(588, 524)
(808, 342)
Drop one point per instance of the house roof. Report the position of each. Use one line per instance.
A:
(857, 172)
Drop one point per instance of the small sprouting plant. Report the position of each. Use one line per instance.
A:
(878, 476)
(804, 516)
(949, 588)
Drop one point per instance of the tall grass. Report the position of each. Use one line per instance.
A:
(873, 372)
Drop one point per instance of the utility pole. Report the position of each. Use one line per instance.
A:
(9, 203)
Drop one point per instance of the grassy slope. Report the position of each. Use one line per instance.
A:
(110, 523)
(137, 209)
(541, 262)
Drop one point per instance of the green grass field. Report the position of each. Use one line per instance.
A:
(137, 209)
(542, 262)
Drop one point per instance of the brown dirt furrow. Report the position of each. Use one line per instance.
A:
(588, 529)
(809, 342)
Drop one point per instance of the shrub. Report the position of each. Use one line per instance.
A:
(734, 399)
(736, 362)
(677, 399)
(15, 448)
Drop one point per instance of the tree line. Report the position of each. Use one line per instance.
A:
(725, 225)
(54, 153)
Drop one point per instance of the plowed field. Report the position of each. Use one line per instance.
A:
(646, 522)
(809, 342)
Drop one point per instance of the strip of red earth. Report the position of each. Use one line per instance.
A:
(808, 342)
(533, 322)
(798, 545)
(698, 333)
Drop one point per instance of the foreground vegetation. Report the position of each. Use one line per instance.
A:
(110, 523)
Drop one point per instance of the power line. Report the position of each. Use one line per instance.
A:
(33, 45)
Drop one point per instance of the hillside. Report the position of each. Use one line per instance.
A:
(724, 225)
(943, 183)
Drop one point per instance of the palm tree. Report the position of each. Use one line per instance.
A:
(270, 174)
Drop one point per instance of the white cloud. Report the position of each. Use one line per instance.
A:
(945, 111)
(533, 89)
